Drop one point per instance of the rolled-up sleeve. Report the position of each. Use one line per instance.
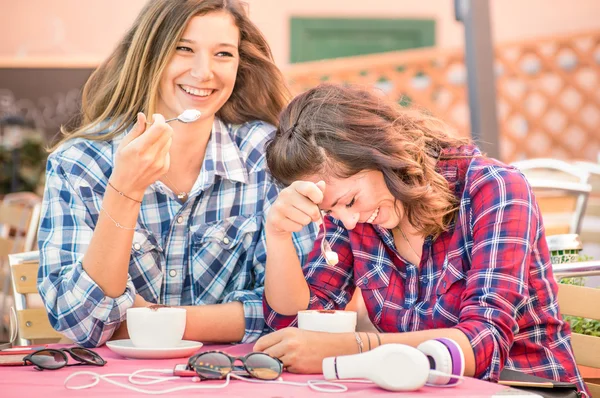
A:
(504, 224)
(77, 307)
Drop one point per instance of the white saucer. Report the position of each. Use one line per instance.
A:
(126, 348)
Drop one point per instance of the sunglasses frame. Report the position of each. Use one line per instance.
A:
(232, 359)
(62, 351)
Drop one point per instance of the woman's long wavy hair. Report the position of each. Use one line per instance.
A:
(339, 131)
(127, 82)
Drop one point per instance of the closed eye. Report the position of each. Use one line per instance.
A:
(351, 202)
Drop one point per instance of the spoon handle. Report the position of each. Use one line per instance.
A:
(166, 121)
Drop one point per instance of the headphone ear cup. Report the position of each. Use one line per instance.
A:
(442, 361)
(457, 355)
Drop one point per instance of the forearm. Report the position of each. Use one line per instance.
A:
(217, 323)
(346, 344)
(286, 289)
(415, 338)
(107, 258)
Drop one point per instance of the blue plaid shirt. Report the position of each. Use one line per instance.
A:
(208, 250)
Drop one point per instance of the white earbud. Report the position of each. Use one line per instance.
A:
(394, 367)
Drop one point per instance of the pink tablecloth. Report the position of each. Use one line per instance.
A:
(24, 381)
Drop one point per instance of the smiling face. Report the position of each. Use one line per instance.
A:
(362, 198)
(202, 71)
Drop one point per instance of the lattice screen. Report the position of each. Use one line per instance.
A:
(548, 91)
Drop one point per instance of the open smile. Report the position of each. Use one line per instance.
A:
(373, 216)
(197, 93)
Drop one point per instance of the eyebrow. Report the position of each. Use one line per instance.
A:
(183, 40)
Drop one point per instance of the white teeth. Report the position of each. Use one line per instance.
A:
(373, 216)
(196, 91)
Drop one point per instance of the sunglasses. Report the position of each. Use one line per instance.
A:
(52, 359)
(213, 365)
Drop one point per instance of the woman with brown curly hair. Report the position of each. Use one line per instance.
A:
(442, 240)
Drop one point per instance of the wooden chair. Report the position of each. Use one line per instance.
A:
(32, 319)
(583, 302)
(561, 190)
(19, 217)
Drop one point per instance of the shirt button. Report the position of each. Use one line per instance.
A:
(137, 246)
(179, 219)
(172, 273)
(444, 284)
(365, 281)
(226, 240)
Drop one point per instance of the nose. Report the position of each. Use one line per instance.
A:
(202, 68)
(348, 218)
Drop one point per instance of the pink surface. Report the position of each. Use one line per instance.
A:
(24, 381)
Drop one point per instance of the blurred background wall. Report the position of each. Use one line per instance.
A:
(90, 28)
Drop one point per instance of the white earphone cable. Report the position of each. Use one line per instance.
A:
(133, 378)
(317, 385)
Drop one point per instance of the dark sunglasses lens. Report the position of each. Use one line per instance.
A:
(264, 367)
(87, 356)
(48, 359)
(212, 365)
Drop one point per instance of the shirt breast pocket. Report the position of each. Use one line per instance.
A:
(221, 247)
(146, 257)
(372, 274)
(449, 290)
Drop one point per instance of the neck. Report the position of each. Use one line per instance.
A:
(409, 241)
(189, 146)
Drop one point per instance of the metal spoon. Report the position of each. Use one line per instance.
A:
(187, 116)
(331, 257)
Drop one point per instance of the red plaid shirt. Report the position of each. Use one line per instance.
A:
(489, 275)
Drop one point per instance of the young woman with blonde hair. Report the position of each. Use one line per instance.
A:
(166, 213)
(442, 240)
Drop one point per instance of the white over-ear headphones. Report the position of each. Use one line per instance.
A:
(445, 356)
(399, 367)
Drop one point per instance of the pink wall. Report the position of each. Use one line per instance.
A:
(68, 29)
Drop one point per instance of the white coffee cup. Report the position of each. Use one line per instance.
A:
(332, 321)
(156, 328)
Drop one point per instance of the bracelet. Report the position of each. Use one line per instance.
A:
(378, 339)
(369, 341)
(115, 221)
(358, 342)
(122, 194)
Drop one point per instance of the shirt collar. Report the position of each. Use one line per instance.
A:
(223, 155)
(453, 165)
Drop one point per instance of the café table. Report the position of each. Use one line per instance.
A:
(26, 382)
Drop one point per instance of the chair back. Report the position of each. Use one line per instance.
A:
(19, 217)
(583, 302)
(590, 229)
(32, 319)
(561, 190)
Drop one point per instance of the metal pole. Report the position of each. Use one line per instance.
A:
(481, 81)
